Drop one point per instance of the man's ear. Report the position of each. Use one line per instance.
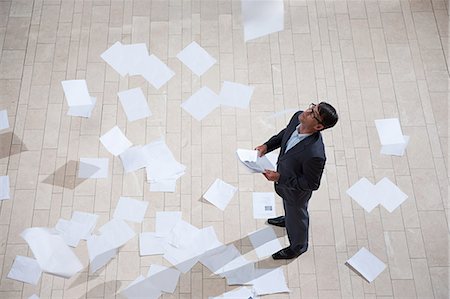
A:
(319, 127)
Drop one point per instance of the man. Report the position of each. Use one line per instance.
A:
(299, 170)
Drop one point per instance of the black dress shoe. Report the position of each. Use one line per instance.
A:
(287, 253)
(278, 221)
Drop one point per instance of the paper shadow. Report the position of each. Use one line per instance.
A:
(65, 176)
(7, 148)
(356, 272)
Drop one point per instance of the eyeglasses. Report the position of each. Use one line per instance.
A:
(313, 113)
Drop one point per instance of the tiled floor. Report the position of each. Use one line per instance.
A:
(371, 59)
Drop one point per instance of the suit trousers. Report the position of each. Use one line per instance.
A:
(297, 223)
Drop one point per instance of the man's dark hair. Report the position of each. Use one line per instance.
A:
(328, 114)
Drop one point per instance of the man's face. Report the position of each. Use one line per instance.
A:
(310, 118)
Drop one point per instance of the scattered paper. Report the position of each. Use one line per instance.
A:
(151, 243)
(196, 58)
(134, 54)
(88, 220)
(134, 104)
(83, 110)
(217, 258)
(164, 278)
(164, 185)
(72, 232)
(366, 264)
(141, 286)
(25, 269)
(262, 17)
(364, 193)
(201, 103)
(51, 252)
(131, 209)
(4, 187)
(270, 281)
(93, 168)
(34, 296)
(240, 293)
(4, 124)
(220, 194)
(263, 205)
(166, 221)
(253, 162)
(115, 141)
(235, 95)
(265, 242)
(156, 72)
(134, 158)
(392, 140)
(102, 248)
(389, 194)
(125, 58)
(76, 92)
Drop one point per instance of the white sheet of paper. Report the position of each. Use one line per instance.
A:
(115, 57)
(240, 293)
(141, 286)
(242, 275)
(389, 131)
(4, 123)
(235, 94)
(156, 72)
(162, 185)
(262, 17)
(88, 221)
(115, 141)
(34, 296)
(4, 187)
(25, 269)
(51, 252)
(265, 242)
(134, 104)
(364, 193)
(151, 243)
(247, 155)
(389, 194)
(134, 54)
(164, 278)
(182, 234)
(71, 231)
(216, 259)
(82, 111)
(166, 221)
(263, 205)
(254, 163)
(76, 92)
(270, 281)
(131, 209)
(395, 149)
(161, 162)
(134, 158)
(196, 58)
(103, 247)
(93, 168)
(220, 194)
(366, 264)
(201, 103)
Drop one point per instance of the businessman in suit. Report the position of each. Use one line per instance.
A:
(300, 166)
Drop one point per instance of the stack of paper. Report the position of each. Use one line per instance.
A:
(392, 140)
(366, 264)
(130, 209)
(263, 205)
(115, 141)
(196, 58)
(78, 98)
(162, 168)
(4, 123)
(253, 162)
(201, 103)
(102, 248)
(262, 17)
(265, 242)
(4, 187)
(25, 269)
(79, 227)
(134, 104)
(384, 192)
(220, 194)
(235, 95)
(51, 252)
(93, 168)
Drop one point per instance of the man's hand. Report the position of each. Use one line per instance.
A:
(262, 150)
(272, 175)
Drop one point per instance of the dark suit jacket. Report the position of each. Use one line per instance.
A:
(301, 167)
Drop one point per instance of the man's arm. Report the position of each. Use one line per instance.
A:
(310, 180)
